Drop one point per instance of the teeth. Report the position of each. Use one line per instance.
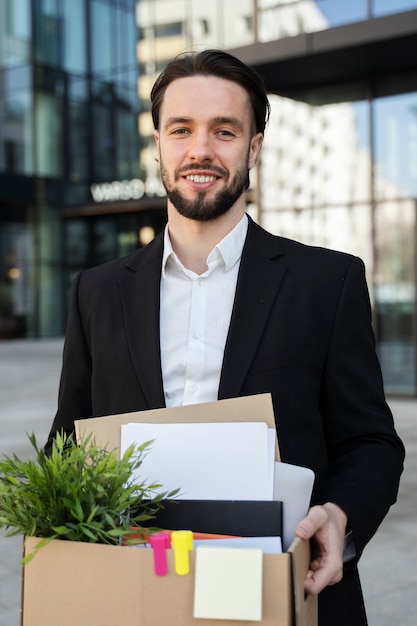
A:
(201, 179)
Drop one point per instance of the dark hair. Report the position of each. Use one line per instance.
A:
(216, 63)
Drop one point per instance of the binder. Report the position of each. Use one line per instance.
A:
(243, 518)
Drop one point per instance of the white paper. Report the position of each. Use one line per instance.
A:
(207, 461)
(293, 487)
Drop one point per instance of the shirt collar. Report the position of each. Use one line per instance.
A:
(229, 248)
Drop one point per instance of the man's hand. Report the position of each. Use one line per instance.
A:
(326, 524)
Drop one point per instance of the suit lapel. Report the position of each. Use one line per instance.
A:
(139, 288)
(261, 273)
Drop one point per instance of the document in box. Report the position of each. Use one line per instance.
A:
(212, 461)
(293, 487)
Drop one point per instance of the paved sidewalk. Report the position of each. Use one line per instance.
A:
(29, 374)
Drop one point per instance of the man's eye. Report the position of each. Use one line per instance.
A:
(180, 131)
(226, 133)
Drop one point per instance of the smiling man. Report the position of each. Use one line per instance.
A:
(216, 307)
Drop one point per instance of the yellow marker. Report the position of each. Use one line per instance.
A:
(182, 543)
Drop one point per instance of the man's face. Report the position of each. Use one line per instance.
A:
(206, 145)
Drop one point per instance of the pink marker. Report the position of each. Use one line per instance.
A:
(160, 542)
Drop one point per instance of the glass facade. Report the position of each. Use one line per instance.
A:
(285, 18)
(68, 122)
(395, 293)
(349, 183)
(395, 130)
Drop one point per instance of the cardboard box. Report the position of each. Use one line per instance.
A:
(71, 583)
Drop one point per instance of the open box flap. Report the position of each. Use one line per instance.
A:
(305, 605)
(257, 408)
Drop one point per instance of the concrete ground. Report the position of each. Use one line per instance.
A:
(29, 374)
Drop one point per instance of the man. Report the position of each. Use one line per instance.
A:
(216, 307)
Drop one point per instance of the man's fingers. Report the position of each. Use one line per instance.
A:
(317, 580)
(326, 526)
(316, 518)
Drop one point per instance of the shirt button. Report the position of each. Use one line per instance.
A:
(196, 336)
(201, 282)
(192, 390)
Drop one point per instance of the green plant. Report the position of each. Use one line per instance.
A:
(80, 493)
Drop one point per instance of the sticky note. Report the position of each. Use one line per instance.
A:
(228, 583)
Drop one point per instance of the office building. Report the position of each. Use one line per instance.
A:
(72, 193)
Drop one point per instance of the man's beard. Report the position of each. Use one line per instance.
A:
(200, 208)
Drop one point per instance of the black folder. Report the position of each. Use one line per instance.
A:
(222, 517)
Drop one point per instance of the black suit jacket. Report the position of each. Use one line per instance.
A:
(300, 329)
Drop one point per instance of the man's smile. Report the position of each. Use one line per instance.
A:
(195, 178)
(201, 181)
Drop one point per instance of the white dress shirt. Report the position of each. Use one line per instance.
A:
(194, 319)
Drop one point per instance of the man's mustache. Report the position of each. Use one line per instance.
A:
(203, 166)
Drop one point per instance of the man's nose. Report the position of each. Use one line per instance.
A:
(201, 147)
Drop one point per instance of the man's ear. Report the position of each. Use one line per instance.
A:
(156, 137)
(255, 148)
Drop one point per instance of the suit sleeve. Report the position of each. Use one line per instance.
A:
(366, 454)
(74, 397)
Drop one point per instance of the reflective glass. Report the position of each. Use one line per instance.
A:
(128, 37)
(49, 135)
(236, 23)
(127, 145)
(396, 294)
(104, 239)
(50, 316)
(285, 18)
(104, 37)
(348, 229)
(395, 130)
(16, 79)
(76, 244)
(315, 155)
(73, 35)
(77, 135)
(50, 286)
(103, 143)
(15, 32)
(47, 34)
(126, 93)
(288, 18)
(183, 24)
(384, 7)
(16, 279)
(16, 132)
(338, 12)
